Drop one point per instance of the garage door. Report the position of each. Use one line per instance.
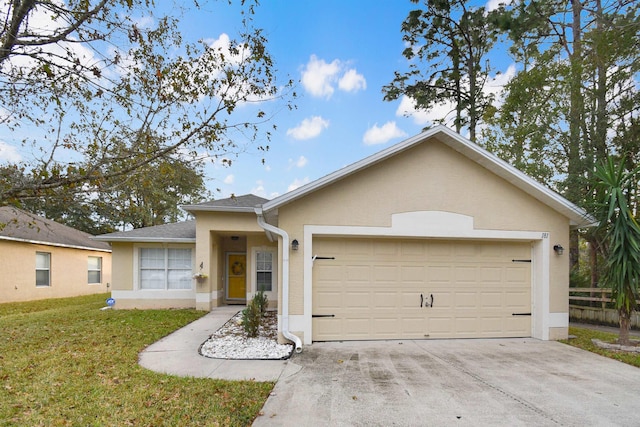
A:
(416, 289)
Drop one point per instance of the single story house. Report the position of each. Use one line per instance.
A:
(433, 237)
(40, 259)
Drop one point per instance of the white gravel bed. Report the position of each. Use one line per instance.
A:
(231, 342)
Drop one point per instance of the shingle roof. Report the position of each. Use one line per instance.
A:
(179, 232)
(20, 225)
(244, 203)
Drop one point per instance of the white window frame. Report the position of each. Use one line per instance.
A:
(93, 270)
(138, 268)
(47, 269)
(271, 294)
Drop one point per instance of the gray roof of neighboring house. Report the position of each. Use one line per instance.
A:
(178, 232)
(19, 225)
(244, 203)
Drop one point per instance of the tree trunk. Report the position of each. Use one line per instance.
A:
(625, 325)
(576, 107)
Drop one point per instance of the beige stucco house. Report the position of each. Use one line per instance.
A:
(40, 258)
(433, 237)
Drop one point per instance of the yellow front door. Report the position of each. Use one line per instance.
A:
(236, 276)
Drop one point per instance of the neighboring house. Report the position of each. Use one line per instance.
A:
(40, 258)
(433, 237)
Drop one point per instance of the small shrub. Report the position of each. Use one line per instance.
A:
(262, 301)
(251, 317)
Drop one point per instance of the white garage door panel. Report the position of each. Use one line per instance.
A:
(373, 289)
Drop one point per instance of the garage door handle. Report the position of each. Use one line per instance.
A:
(521, 314)
(425, 303)
(323, 315)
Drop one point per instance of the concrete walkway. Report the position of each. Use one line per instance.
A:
(177, 353)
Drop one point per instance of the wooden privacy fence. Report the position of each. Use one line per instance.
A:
(591, 297)
(593, 305)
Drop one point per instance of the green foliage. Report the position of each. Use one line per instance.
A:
(574, 99)
(54, 351)
(448, 43)
(622, 233)
(262, 301)
(578, 278)
(251, 319)
(147, 94)
(254, 312)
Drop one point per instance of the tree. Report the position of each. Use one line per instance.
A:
(568, 107)
(448, 46)
(149, 196)
(622, 233)
(107, 95)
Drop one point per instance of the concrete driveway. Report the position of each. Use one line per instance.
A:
(498, 382)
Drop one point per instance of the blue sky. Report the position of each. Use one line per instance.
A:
(317, 44)
(340, 53)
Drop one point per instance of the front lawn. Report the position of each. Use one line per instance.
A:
(66, 362)
(583, 341)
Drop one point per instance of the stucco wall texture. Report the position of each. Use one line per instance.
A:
(68, 272)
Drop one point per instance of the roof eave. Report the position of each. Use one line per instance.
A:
(145, 239)
(58, 245)
(197, 208)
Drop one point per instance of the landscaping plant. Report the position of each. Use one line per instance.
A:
(622, 236)
(262, 301)
(251, 318)
(253, 314)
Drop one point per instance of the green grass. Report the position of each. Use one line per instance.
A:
(583, 341)
(67, 363)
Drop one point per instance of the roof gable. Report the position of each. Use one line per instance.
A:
(577, 216)
(23, 226)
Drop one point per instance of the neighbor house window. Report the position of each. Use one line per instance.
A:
(264, 271)
(162, 268)
(43, 269)
(95, 269)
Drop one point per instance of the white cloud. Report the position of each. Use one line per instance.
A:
(424, 117)
(297, 183)
(300, 163)
(229, 179)
(309, 128)
(494, 4)
(9, 153)
(495, 85)
(258, 190)
(380, 135)
(267, 168)
(319, 78)
(351, 81)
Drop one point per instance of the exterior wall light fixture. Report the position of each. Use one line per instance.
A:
(559, 249)
(295, 245)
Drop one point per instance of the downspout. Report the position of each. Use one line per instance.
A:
(285, 278)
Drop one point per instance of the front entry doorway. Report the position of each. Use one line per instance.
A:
(236, 277)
